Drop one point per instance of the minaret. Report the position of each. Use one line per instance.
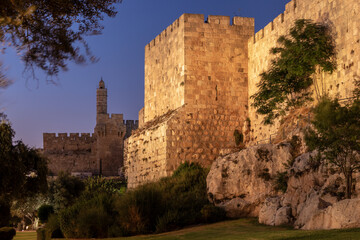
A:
(101, 99)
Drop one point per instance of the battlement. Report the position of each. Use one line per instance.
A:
(130, 126)
(131, 122)
(116, 116)
(67, 136)
(67, 142)
(285, 18)
(199, 18)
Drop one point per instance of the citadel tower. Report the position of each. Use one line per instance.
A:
(86, 154)
(110, 132)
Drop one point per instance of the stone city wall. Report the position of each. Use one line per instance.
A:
(164, 71)
(145, 153)
(199, 107)
(343, 17)
(216, 61)
(69, 153)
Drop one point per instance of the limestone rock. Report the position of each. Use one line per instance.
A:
(240, 182)
(343, 214)
(283, 216)
(268, 211)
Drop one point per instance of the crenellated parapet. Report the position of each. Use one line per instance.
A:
(211, 20)
(131, 125)
(67, 142)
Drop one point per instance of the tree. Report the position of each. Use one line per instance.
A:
(65, 190)
(336, 135)
(309, 48)
(23, 171)
(47, 34)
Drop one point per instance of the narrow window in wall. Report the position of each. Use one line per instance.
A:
(216, 91)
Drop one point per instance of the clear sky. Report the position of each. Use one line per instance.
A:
(34, 107)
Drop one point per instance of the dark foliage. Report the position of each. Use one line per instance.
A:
(211, 213)
(7, 233)
(49, 33)
(169, 204)
(308, 47)
(64, 191)
(88, 218)
(44, 212)
(239, 137)
(280, 181)
(336, 135)
(22, 173)
(5, 215)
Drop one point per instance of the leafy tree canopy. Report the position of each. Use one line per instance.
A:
(336, 135)
(23, 171)
(308, 47)
(48, 33)
(65, 190)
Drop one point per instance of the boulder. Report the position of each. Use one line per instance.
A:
(343, 214)
(283, 216)
(268, 211)
(241, 181)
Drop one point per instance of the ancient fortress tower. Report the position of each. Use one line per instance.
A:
(100, 153)
(199, 76)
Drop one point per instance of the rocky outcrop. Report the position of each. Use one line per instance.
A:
(243, 184)
(343, 214)
(240, 182)
(314, 193)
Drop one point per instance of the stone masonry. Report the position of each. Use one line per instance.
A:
(199, 76)
(99, 153)
(195, 95)
(343, 18)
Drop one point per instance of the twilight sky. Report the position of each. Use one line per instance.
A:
(34, 107)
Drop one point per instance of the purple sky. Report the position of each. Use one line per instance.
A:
(36, 107)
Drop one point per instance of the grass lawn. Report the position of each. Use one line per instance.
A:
(237, 229)
(25, 236)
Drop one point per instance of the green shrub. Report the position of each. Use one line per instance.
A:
(88, 218)
(7, 233)
(44, 212)
(43, 234)
(169, 204)
(4, 212)
(53, 226)
(239, 137)
(211, 213)
(97, 184)
(280, 181)
(139, 209)
(65, 190)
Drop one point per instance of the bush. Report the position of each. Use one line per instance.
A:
(53, 226)
(65, 190)
(211, 213)
(168, 204)
(44, 212)
(239, 137)
(43, 234)
(88, 218)
(4, 212)
(97, 184)
(7, 233)
(280, 181)
(139, 209)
